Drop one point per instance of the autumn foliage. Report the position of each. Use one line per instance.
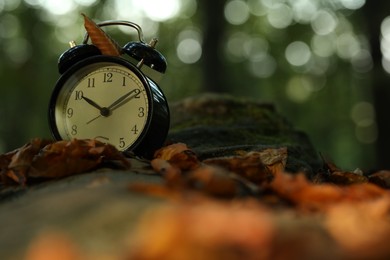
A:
(52, 160)
(244, 206)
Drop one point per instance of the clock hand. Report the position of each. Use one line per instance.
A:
(117, 102)
(104, 111)
(92, 103)
(93, 119)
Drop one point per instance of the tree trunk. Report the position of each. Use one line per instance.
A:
(375, 13)
(214, 78)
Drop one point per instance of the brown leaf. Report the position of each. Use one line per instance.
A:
(65, 158)
(46, 159)
(213, 181)
(305, 194)
(53, 245)
(171, 173)
(346, 178)
(257, 167)
(362, 229)
(179, 155)
(340, 177)
(20, 161)
(204, 231)
(381, 178)
(102, 40)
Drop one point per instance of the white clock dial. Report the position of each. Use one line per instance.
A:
(105, 101)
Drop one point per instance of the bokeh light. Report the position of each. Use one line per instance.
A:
(385, 44)
(298, 89)
(236, 12)
(298, 53)
(352, 4)
(323, 45)
(304, 10)
(324, 22)
(262, 66)
(189, 47)
(347, 46)
(280, 16)
(363, 115)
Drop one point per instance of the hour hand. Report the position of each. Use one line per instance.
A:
(92, 103)
(104, 111)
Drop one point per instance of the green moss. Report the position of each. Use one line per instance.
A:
(215, 125)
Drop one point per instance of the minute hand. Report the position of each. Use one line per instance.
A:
(117, 103)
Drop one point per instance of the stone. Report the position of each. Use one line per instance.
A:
(216, 125)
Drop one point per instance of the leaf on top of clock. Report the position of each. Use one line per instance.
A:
(101, 39)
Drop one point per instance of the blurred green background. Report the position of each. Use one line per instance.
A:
(324, 64)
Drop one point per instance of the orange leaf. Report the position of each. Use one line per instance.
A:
(99, 38)
(178, 155)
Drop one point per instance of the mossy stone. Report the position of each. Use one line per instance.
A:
(222, 125)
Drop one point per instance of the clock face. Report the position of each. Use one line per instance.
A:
(102, 100)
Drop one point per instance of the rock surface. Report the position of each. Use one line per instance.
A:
(219, 125)
(97, 211)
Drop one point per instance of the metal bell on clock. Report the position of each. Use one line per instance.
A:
(75, 54)
(143, 54)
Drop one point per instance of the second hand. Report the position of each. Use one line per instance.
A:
(93, 119)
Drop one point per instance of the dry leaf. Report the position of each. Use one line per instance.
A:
(101, 39)
(299, 190)
(381, 178)
(206, 231)
(213, 181)
(362, 229)
(179, 155)
(171, 173)
(41, 159)
(257, 167)
(340, 177)
(53, 246)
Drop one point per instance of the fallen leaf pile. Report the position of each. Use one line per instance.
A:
(51, 160)
(270, 214)
(237, 207)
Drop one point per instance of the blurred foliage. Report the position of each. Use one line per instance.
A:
(310, 58)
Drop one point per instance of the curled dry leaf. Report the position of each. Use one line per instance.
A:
(381, 178)
(305, 194)
(41, 159)
(341, 177)
(179, 155)
(99, 38)
(257, 167)
(171, 173)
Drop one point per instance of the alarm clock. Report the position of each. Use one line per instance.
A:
(113, 99)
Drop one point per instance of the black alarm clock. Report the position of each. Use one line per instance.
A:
(112, 99)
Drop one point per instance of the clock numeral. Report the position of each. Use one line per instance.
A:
(122, 142)
(74, 130)
(69, 112)
(137, 93)
(79, 95)
(124, 82)
(141, 112)
(107, 77)
(91, 82)
(134, 129)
